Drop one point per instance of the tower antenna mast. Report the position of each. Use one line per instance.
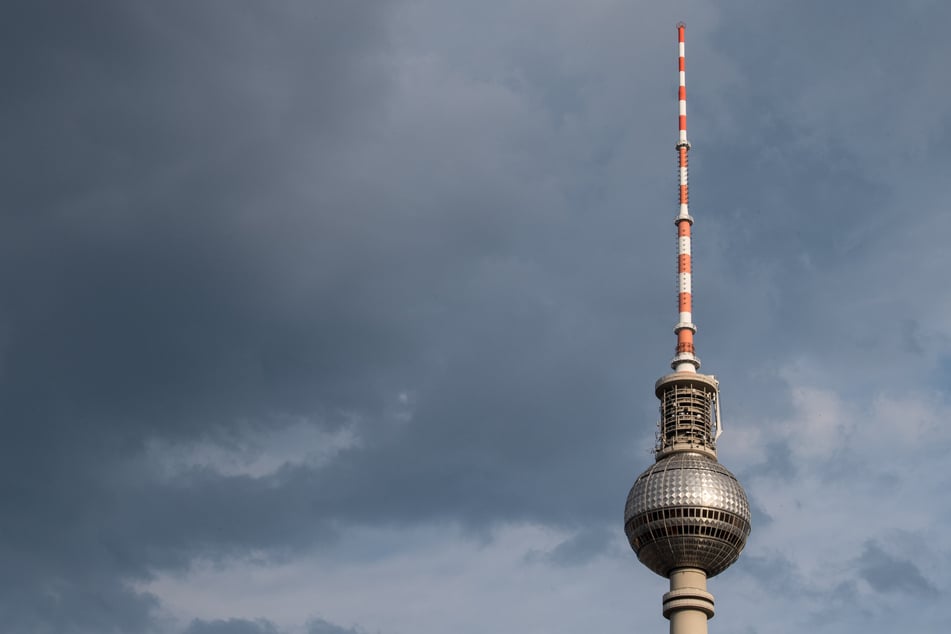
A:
(686, 359)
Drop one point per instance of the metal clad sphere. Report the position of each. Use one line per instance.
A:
(687, 510)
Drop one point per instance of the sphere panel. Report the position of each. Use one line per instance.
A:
(687, 510)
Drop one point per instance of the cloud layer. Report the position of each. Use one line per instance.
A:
(343, 317)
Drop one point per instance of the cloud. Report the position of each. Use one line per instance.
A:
(231, 626)
(886, 573)
(261, 626)
(320, 626)
(138, 278)
(577, 550)
(778, 462)
(776, 573)
(40, 598)
(276, 277)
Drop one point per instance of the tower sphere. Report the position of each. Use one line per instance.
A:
(687, 511)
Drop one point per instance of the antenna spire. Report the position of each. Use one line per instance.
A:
(685, 360)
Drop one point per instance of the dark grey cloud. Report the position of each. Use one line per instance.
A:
(231, 626)
(839, 133)
(42, 595)
(758, 517)
(261, 626)
(139, 268)
(577, 550)
(320, 626)
(778, 463)
(886, 573)
(775, 572)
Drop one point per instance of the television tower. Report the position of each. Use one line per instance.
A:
(687, 517)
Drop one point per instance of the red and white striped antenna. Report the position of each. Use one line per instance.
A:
(685, 360)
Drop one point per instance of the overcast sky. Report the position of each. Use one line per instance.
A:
(343, 316)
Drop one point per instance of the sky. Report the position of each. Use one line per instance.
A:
(337, 317)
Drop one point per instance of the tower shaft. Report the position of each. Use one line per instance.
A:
(688, 605)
